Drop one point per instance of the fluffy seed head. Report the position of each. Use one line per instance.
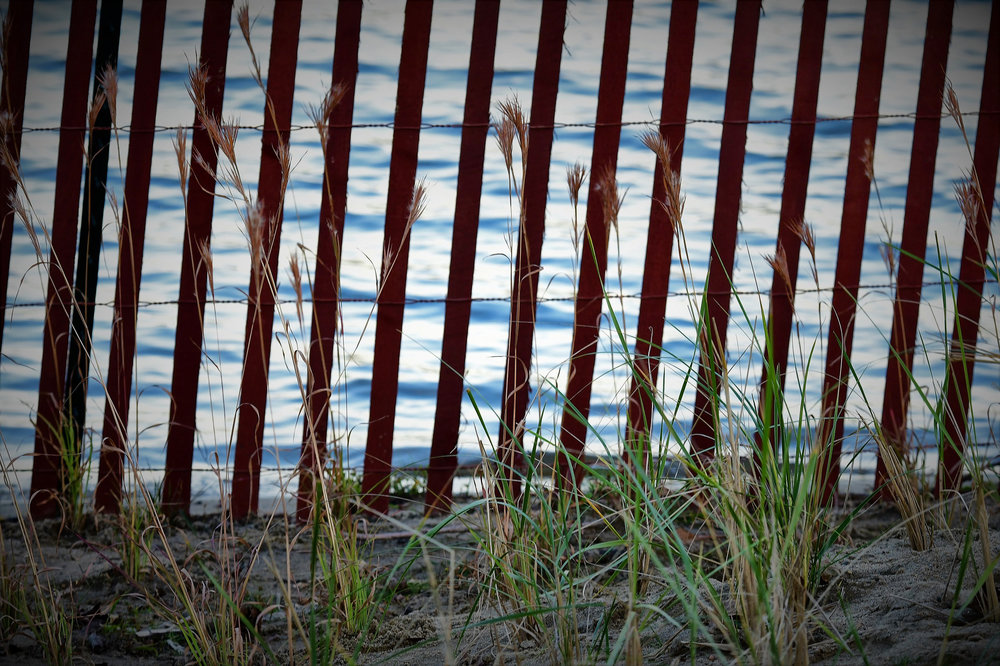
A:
(952, 107)
(255, 226)
(320, 115)
(296, 278)
(108, 80)
(611, 201)
(510, 110)
(868, 159)
(575, 175)
(180, 149)
(95, 108)
(969, 198)
(197, 86)
(779, 264)
(673, 203)
(243, 19)
(205, 250)
(808, 238)
(505, 141)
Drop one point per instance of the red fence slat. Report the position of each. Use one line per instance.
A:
(114, 440)
(195, 265)
(326, 285)
(594, 252)
(919, 192)
(91, 225)
(451, 378)
(529, 239)
(660, 235)
(47, 469)
(712, 333)
(15, 78)
(792, 215)
(395, 252)
(972, 274)
(264, 279)
(851, 245)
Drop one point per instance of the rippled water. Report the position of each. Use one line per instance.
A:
(430, 241)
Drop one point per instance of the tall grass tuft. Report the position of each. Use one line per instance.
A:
(30, 602)
(907, 496)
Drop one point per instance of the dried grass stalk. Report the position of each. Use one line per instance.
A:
(907, 498)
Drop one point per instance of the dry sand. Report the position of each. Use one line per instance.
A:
(888, 603)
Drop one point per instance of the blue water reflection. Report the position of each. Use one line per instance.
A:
(431, 236)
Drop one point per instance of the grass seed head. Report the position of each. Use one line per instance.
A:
(575, 175)
(611, 201)
(779, 264)
(95, 109)
(806, 235)
(205, 250)
(246, 25)
(511, 110)
(255, 225)
(889, 256)
(808, 238)
(296, 278)
(21, 211)
(285, 160)
(227, 139)
(197, 87)
(653, 140)
(673, 203)
(952, 107)
(180, 150)
(513, 124)
(418, 204)
(243, 19)
(969, 201)
(108, 80)
(320, 115)
(868, 160)
(505, 141)
(197, 158)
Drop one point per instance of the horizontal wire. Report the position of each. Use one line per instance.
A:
(558, 125)
(496, 299)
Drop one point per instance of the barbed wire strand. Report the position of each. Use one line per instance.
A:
(557, 125)
(502, 299)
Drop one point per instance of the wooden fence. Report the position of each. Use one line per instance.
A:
(69, 301)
